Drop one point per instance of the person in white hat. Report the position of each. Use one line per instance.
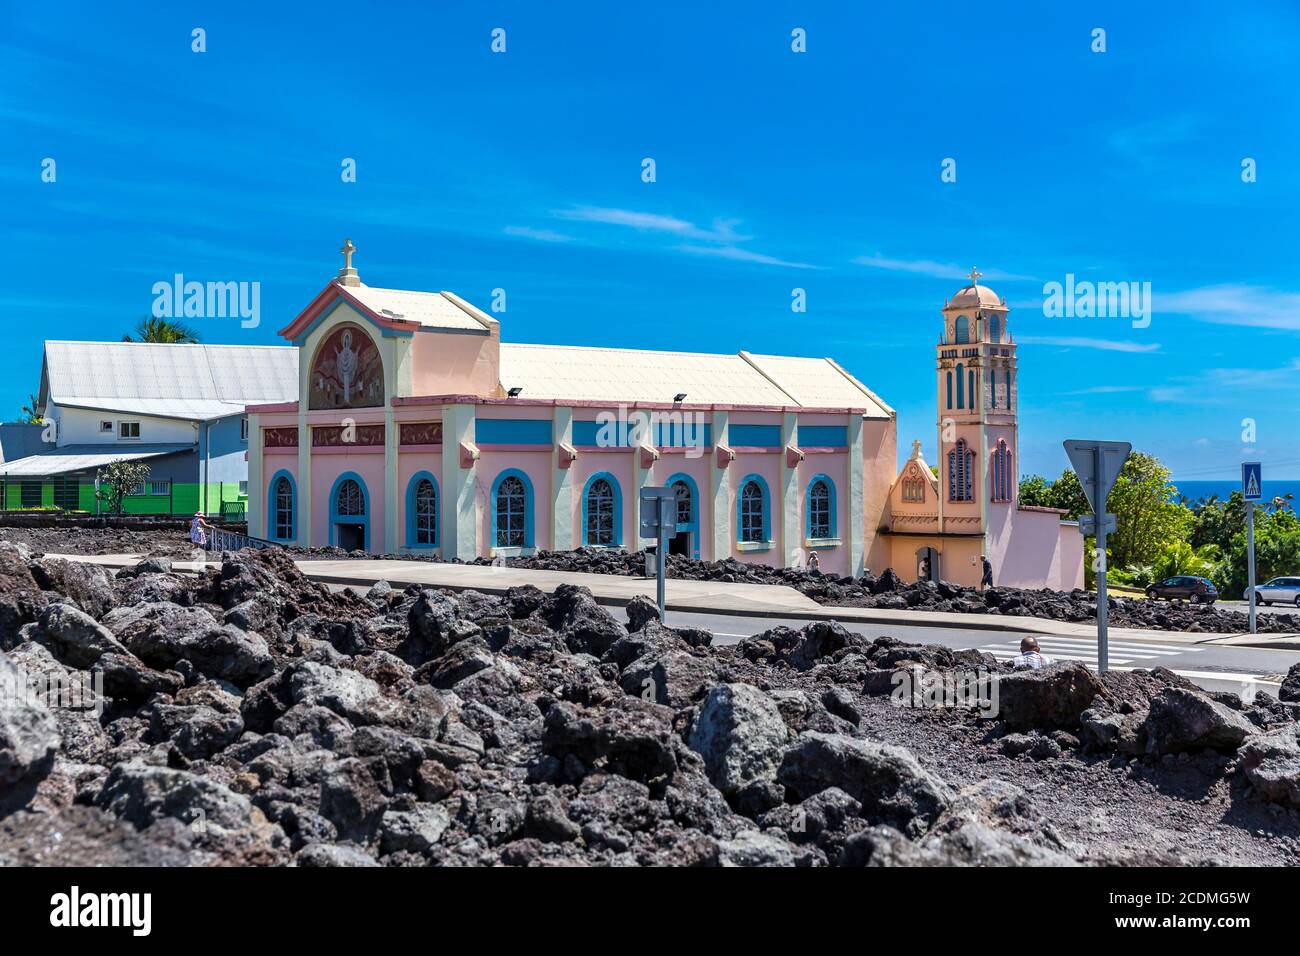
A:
(199, 530)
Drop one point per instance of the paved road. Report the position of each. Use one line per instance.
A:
(1244, 608)
(1216, 666)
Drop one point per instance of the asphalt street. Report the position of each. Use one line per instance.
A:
(1213, 665)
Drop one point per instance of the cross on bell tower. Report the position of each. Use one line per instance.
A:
(975, 389)
(348, 275)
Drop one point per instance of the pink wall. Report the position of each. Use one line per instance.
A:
(879, 466)
(408, 464)
(620, 463)
(1072, 557)
(833, 560)
(768, 466)
(324, 470)
(1024, 549)
(445, 363)
(537, 466)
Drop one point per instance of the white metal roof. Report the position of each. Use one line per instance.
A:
(60, 461)
(818, 383)
(440, 310)
(197, 382)
(582, 373)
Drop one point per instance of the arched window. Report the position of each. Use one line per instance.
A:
(995, 327)
(961, 463)
(913, 485)
(350, 501)
(511, 513)
(821, 509)
(950, 389)
(282, 508)
(1008, 388)
(971, 379)
(1002, 473)
(422, 512)
(685, 507)
(962, 328)
(753, 511)
(602, 514)
(961, 386)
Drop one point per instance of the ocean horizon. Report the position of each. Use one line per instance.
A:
(1197, 490)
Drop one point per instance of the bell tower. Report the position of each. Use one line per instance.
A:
(975, 385)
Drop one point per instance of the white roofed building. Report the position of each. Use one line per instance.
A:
(178, 407)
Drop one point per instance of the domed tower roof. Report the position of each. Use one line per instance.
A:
(975, 296)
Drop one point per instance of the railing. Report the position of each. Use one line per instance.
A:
(219, 539)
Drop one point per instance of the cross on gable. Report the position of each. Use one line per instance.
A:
(975, 275)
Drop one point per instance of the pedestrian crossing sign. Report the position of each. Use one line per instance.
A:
(1252, 481)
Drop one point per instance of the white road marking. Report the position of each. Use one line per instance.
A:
(1134, 645)
(1085, 650)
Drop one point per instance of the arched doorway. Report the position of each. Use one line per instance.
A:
(927, 564)
(686, 537)
(349, 513)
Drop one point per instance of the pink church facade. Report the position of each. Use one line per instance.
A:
(940, 525)
(418, 430)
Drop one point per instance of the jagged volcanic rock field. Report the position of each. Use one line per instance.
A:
(885, 590)
(252, 717)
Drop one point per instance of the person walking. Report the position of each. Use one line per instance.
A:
(986, 580)
(199, 529)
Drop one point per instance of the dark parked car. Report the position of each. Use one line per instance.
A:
(1186, 588)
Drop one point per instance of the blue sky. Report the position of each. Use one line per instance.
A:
(775, 170)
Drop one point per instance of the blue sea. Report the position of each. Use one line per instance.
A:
(1196, 490)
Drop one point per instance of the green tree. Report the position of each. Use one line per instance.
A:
(164, 331)
(1035, 491)
(116, 481)
(1179, 557)
(1065, 493)
(1146, 520)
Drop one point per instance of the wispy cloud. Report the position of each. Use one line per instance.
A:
(1105, 390)
(939, 270)
(724, 230)
(1245, 305)
(1255, 378)
(1079, 342)
(742, 255)
(720, 241)
(541, 235)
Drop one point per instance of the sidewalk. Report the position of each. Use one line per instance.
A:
(710, 597)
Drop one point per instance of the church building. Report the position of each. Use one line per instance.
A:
(417, 429)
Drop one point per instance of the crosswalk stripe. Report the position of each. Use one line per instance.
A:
(1136, 645)
(1058, 657)
(1144, 650)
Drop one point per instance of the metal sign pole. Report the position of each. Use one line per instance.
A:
(659, 584)
(1098, 464)
(1250, 559)
(1252, 490)
(1103, 603)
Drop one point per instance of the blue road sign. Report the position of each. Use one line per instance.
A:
(1252, 481)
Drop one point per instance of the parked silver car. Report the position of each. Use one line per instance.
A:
(1276, 591)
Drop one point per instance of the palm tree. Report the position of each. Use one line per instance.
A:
(163, 331)
(29, 413)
